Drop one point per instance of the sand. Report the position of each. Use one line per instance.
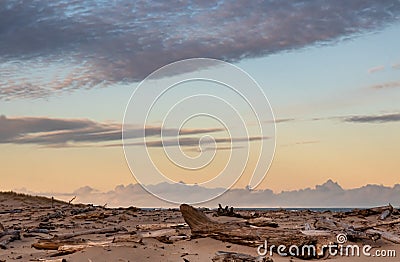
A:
(138, 240)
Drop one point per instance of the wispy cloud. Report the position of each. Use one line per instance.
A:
(64, 45)
(396, 66)
(386, 85)
(377, 118)
(196, 141)
(376, 69)
(386, 118)
(53, 132)
(302, 143)
(282, 120)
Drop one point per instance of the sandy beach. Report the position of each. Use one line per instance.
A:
(92, 233)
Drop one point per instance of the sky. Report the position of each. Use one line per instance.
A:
(329, 69)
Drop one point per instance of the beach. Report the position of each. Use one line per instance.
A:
(52, 230)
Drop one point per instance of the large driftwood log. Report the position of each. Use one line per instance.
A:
(386, 223)
(202, 226)
(90, 232)
(66, 239)
(370, 211)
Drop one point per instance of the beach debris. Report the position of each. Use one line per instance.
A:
(370, 211)
(224, 256)
(385, 235)
(70, 202)
(202, 226)
(323, 231)
(9, 236)
(11, 211)
(161, 226)
(44, 244)
(262, 222)
(89, 232)
(227, 211)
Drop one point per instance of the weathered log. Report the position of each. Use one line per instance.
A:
(92, 216)
(223, 256)
(56, 214)
(157, 233)
(377, 224)
(12, 211)
(10, 237)
(74, 248)
(385, 214)
(202, 226)
(161, 226)
(262, 222)
(134, 239)
(55, 244)
(77, 211)
(385, 235)
(316, 233)
(229, 212)
(38, 230)
(369, 211)
(90, 232)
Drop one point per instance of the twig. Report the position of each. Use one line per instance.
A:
(69, 202)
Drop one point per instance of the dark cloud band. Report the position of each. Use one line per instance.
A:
(52, 132)
(51, 46)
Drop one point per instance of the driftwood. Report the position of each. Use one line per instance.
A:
(74, 248)
(227, 211)
(262, 222)
(385, 235)
(223, 256)
(12, 211)
(66, 239)
(160, 226)
(57, 214)
(385, 214)
(386, 223)
(157, 233)
(370, 211)
(54, 244)
(10, 236)
(69, 202)
(89, 232)
(202, 226)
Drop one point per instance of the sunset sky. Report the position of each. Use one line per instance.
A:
(330, 70)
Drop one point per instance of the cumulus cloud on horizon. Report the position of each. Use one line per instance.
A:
(329, 194)
(66, 45)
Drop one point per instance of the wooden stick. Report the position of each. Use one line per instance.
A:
(69, 202)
